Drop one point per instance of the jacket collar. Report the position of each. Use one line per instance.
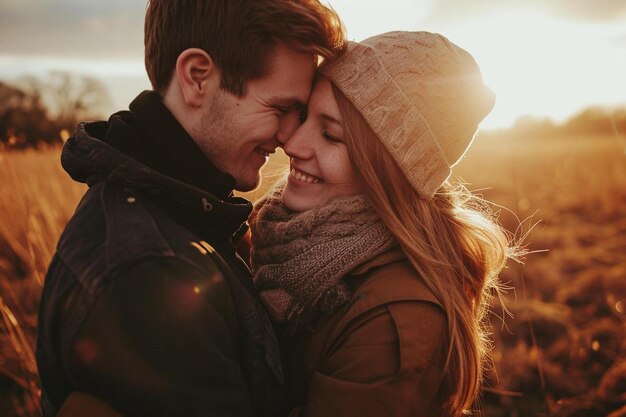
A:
(393, 255)
(150, 134)
(90, 160)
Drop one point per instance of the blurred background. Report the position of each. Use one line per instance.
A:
(551, 157)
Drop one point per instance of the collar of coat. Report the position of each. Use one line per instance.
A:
(150, 134)
(390, 256)
(90, 160)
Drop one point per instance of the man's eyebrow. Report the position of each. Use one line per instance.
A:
(289, 103)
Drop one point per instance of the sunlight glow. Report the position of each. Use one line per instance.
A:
(536, 63)
(544, 67)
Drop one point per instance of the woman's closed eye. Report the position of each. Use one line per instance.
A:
(330, 137)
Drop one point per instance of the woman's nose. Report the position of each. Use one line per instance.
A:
(297, 145)
(288, 124)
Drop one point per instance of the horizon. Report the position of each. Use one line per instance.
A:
(574, 57)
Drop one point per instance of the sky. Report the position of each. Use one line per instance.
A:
(545, 58)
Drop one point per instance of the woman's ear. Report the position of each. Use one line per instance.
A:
(197, 76)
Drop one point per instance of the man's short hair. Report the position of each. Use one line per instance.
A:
(239, 35)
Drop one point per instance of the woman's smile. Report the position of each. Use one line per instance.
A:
(302, 176)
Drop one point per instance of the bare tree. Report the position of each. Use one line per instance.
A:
(71, 98)
(24, 119)
(35, 110)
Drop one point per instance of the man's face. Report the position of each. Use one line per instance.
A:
(238, 134)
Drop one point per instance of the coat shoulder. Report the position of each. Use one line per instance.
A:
(115, 228)
(385, 353)
(387, 284)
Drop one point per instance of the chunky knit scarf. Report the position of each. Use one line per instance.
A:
(300, 258)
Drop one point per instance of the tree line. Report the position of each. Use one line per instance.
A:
(592, 121)
(37, 111)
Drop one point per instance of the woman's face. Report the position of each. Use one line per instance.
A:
(319, 162)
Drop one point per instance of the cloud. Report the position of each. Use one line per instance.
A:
(89, 28)
(620, 40)
(596, 10)
(583, 11)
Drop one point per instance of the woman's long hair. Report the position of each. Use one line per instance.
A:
(453, 243)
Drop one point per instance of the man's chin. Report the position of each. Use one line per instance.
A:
(247, 184)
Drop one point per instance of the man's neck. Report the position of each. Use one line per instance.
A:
(160, 142)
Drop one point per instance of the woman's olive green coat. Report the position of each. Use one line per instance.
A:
(382, 355)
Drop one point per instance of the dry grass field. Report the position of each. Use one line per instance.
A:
(561, 352)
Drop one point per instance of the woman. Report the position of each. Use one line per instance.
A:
(377, 271)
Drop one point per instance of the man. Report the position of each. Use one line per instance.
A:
(146, 303)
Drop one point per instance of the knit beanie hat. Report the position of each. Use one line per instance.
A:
(423, 97)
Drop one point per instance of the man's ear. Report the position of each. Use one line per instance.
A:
(197, 76)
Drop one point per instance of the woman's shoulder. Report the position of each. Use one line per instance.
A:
(391, 305)
(388, 281)
(385, 352)
(393, 291)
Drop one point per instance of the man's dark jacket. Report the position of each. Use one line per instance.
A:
(146, 303)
